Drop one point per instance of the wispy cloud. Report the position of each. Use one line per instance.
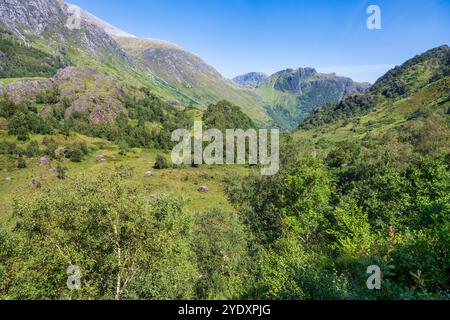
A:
(368, 73)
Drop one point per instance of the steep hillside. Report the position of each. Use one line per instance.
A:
(419, 89)
(18, 60)
(418, 76)
(44, 22)
(76, 89)
(191, 75)
(291, 95)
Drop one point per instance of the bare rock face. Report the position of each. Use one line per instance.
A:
(27, 90)
(307, 79)
(251, 80)
(44, 161)
(99, 95)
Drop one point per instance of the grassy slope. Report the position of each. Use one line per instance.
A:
(434, 97)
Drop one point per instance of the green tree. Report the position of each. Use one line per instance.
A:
(221, 248)
(124, 245)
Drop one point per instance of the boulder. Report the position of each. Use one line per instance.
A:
(100, 157)
(148, 174)
(203, 189)
(60, 152)
(44, 161)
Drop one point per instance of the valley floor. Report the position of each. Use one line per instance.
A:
(183, 181)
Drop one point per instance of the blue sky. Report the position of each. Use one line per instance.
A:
(239, 36)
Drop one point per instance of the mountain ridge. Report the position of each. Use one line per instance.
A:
(292, 94)
(250, 80)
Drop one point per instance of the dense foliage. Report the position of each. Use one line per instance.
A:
(146, 122)
(20, 60)
(324, 219)
(125, 245)
(224, 115)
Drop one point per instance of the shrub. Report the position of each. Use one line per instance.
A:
(161, 162)
(21, 164)
(61, 172)
(125, 246)
(32, 149)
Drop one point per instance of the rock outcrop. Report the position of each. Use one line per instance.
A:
(48, 20)
(251, 80)
(83, 89)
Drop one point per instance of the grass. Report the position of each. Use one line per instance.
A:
(6, 81)
(183, 181)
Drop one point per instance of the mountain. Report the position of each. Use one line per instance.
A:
(171, 72)
(251, 80)
(417, 89)
(43, 23)
(193, 77)
(291, 95)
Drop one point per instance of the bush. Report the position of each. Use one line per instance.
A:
(76, 151)
(21, 164)
(220, 242)
(32, 149)
(125, 246)
(61, 172)
(161, 162)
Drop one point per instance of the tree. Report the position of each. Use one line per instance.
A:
(220, 242)
(124, 245)
(32, 149)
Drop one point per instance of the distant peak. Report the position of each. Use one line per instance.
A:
(251, 79)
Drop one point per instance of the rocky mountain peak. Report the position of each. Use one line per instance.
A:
(48, 20)
(250, 80)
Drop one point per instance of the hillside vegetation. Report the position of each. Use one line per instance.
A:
(18, 60)
(423, 78)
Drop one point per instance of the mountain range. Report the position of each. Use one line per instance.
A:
(291, 95)
(180, 77)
